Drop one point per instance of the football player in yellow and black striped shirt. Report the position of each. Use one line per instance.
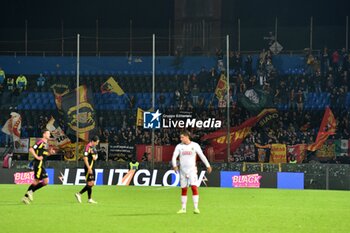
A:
(90, 155)
(40, 151)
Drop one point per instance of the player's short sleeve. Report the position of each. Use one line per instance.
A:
(37, 145)
(86, 151)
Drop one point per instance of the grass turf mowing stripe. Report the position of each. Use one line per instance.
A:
(136, 209)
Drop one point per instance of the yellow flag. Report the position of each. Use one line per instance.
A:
(112, 86)
(139, 117)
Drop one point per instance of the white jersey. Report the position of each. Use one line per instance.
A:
(187, 155)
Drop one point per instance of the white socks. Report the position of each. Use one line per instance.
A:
(195, 201)
(183, 202)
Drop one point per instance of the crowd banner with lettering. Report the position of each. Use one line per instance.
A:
(57, 133)
(245, 153)
(278, 153)
(218, 139)
(121, 152)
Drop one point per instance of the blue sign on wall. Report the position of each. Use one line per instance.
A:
(226, 178)
(50, 173)
(290, 180)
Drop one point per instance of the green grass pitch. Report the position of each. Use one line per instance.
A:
(153, 209)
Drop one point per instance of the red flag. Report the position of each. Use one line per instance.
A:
(237, 134)
(221, 87)
(298, 151)
(328, 127)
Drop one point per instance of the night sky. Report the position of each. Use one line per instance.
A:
(156, 13)
(83, 13)
(153, 16)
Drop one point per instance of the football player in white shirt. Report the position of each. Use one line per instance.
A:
(188, 151)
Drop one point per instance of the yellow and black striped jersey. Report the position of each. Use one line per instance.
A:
(89, 152)
(41, 148)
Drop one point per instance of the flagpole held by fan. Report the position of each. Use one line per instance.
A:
(77, 104)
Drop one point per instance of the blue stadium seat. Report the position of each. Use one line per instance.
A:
(30, 95)
(25, 100)
(309, 95)
(31, 100)
(36, 95)
(26, 107)
(307, 106)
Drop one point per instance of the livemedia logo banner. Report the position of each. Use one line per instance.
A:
(158, 120)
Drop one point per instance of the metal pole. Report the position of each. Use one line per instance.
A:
(347, 33)
(169, 40)
(62, 38)
(96, 37)
(239, 35)
(26, 38)
(228, 95)
(130, 40)
(276, 28)
(203, 39)
(311, 32)
(153, 88)
(77, 100)
(327, 178)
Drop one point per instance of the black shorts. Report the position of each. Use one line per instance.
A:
(39, 171)
(89, 177)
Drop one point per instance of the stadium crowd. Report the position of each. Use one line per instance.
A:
(327, 72)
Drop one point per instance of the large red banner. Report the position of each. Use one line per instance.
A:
(161, 153)
(218, 139)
